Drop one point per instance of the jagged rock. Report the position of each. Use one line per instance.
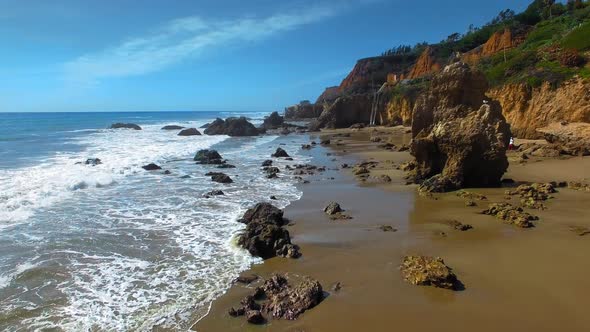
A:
(360, 170)
(271, 172)
(232, 127)
(273, 121)
(428, 271)
(214, 193)
(345, 111)
(151, 167)
(381, 179)
(254, 317)
(208, 157)
(125, 126)
(172, 127)
(332, 208)
(189, 132)
(263, 213)
(457, 141)
(578, 186)
(93, 161)
(511, 215)
(533, 195)
(572, 138)
(221, 178)
(288, 302)
(267, 163)
(471, 195)
(280, 153)
(304, 110)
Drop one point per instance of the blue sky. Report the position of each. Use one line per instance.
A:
(150, 55)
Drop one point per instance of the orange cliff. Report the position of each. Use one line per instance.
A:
(425, 65)
(498, 42)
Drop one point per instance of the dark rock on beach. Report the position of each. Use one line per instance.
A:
(280, 153)
(267, 163)
(511, 215)
(151, 167)
(221, 178)
(273, 121)
(189, 132)
(232, 127)
(208, 157)
(125, 126)
(214, 193)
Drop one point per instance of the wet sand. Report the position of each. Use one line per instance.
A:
(515, 279)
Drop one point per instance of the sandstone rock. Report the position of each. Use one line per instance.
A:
(511, 215)
(208, 157)
(232, 127)
(289, 302)
(189, 132)
(428, 271)
(425, 65)
(151, 167)
(471, 195)
(280, 153)
(346, 111)
(457, 141)
(458, 225)
(172, 127)
(125, 126)
(571, 138)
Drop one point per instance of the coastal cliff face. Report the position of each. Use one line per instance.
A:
(304, 110)
(527, 109)
(346, 111)
(397, 111)
(498, 42)
(425, 65)
(329, 95)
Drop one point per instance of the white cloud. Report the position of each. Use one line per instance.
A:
(184, 38)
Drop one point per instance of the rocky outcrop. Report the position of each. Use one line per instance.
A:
(303, 111)
(510, 214)
(499, 41)
(280, 299)
(428, 271)
(397, 111)
(329, 95)
(345, 112)
(125, 126)
(273, 121)
(151, 167)
(570, 138)
(527, 109)
(208, 157)
(220, 177)
(189, 132)
(457, 141)
(425, 65)
(264, 235)
(370, 73)
(232, 127)
(280, 153)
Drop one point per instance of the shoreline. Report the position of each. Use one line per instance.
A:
(499, 264)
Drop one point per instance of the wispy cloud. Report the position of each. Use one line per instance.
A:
(184, 38)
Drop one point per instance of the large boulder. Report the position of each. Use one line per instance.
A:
(459, 137)
(264, 235)
(189, 132)
(428, 271)
(345, 112)
(208, 157)
(125, 126)
(273, 121)
(304, 110)
(232, 127)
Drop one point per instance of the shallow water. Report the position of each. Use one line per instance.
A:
(113, 247)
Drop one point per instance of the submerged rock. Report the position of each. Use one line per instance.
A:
(267, 163)
(125, 126)
(214, 193)
(280, 153)
(221, 178)
(151, 167)
(93, 161)
(459, 138)
(208, 157)
(172, 127)
(189, 132)
(428, 271)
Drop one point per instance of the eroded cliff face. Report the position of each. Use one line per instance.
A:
(498, 42)
(329, 95)
(425, 65)
(527, 109)
(371, 73)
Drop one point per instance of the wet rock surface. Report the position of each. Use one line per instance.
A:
(125, 126)
(208, 157)
(456, 225)
(221, 178)
(510, 214)
(172, 127)
(533, 195)
(428, 271)
(151, 167)
(273, 121)
(189, 132)
(232, 127)
(280, 153)
(264, 235)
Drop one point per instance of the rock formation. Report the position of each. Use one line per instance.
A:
(172, 127)
(570, 138)
(458, 139)
(232, 127)
(189, 132)
(304, 110)
(264, 235)
(527, 109)
(125, 126)
(329, 95)
(273, 121)
(425, 65)
(428, 271)
(208, 157)
(345, 112)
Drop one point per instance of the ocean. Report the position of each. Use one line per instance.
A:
(113, 247)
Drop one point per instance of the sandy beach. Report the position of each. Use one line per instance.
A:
(514, 279)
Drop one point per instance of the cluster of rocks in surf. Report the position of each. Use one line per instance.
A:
(278, 298)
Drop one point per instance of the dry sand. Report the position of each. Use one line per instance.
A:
(515, 279)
